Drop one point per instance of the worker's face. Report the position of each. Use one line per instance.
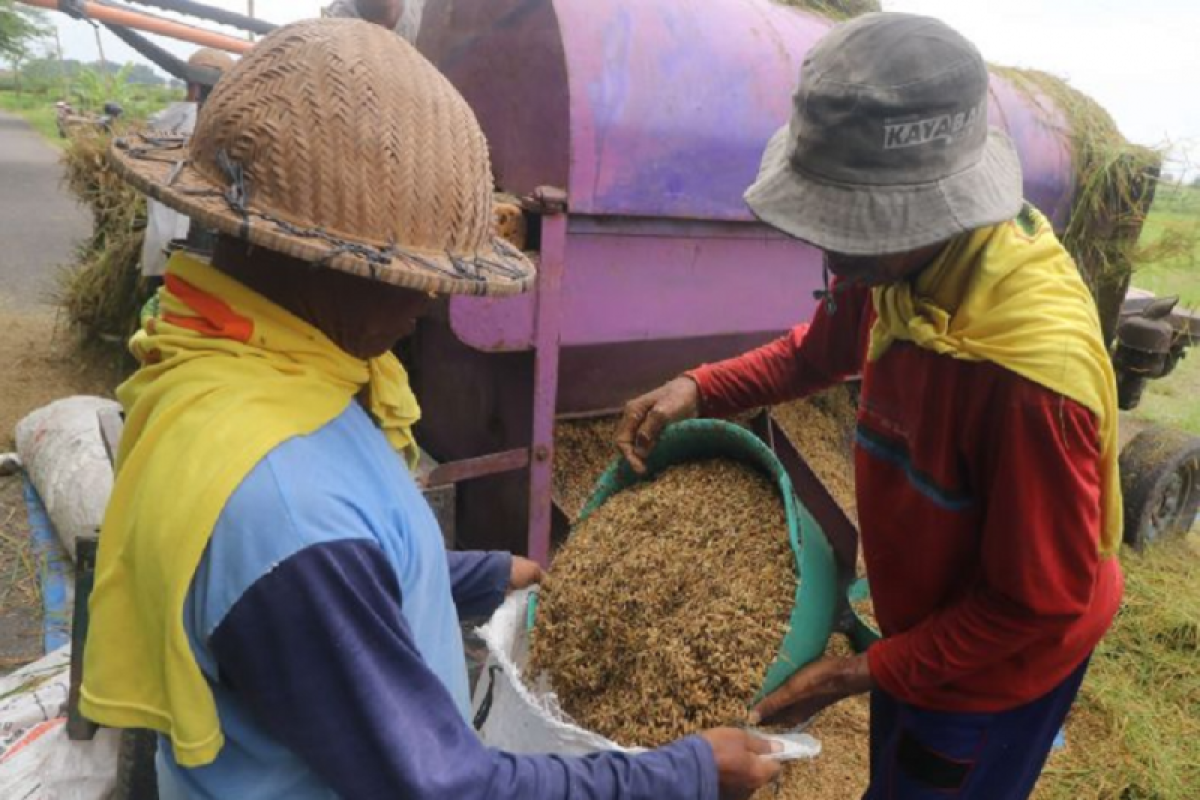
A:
(386, 13)
(880, 270)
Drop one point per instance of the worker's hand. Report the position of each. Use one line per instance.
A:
(645, 417)
(741, 768)
(815, 687)
(525, 573)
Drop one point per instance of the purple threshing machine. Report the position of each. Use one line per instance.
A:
(631, 128)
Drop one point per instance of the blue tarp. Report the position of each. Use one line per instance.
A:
(57, 573)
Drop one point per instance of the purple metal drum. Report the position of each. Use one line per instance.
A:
(652, 116)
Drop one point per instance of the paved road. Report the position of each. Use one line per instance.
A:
(40, 223)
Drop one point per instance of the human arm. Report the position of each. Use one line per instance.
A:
(319, 652)
(805, 360)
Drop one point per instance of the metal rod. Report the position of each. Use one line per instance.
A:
(166, 61)
(547, 336)
(152, 24)
(219, 15)
(482, 467)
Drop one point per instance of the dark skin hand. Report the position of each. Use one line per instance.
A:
(525, 573)
(814, 688)
(644, 418)
(741, 767)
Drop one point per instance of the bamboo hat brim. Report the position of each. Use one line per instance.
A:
(335, 142)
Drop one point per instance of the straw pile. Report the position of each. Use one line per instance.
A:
(1113, 184)
(1135, 730)
(664, 609)
(103, 292)
(837, 10)
(821, 428)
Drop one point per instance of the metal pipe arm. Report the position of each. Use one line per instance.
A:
(166, 61)
(219, 15)
(150, 24)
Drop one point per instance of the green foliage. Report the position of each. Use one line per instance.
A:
(35, 110)
(20, 28)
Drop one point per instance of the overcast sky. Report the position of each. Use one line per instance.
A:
(1140, 59)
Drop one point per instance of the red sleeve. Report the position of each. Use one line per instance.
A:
(809, 358)
(1036, 461)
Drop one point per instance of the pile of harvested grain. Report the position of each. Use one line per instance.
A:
(663, 611)
(583, 449)
(821, 428)
(103, 291)
(865, 609)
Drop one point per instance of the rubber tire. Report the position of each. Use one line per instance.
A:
(137, 778)
(1160, 478)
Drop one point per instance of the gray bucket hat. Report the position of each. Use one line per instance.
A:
(888, 148)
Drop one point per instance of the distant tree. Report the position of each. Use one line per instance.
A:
(141, 73)
(1196, 182)
(20, 29)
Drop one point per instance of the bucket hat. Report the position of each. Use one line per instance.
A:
(210, 58)
(888, 148)
(335, 142)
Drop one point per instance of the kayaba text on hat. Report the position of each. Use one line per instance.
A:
(923, 131)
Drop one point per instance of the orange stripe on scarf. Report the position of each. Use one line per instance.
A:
(216, 317)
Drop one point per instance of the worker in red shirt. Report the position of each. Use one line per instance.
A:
(985, 454)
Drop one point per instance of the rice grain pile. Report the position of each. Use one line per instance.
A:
(663, 611)
(583, 449)
(821, 428)
(865, 609)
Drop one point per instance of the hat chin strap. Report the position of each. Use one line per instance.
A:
(826, 295)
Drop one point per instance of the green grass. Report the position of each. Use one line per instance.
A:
(37, 110)
(1174, 400)
(1134, 734)
(1176, 214)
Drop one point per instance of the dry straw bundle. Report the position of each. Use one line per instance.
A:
(1114, 183)
(664, 610)
(836, 9)
(102, 292)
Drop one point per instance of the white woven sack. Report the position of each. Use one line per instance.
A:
(63, 454)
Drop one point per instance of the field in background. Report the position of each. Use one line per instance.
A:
(37, 110)
(1176, 399)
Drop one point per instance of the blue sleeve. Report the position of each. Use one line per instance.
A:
(319, 652)
(478, 581)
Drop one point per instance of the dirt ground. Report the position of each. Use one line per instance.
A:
(39, 363)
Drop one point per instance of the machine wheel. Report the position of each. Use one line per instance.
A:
(136, 776)
(1160, 478)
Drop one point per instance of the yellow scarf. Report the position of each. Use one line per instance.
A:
(1011, 294)
(226, 377)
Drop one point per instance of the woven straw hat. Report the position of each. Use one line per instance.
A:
(212, 59)
(334, 141)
